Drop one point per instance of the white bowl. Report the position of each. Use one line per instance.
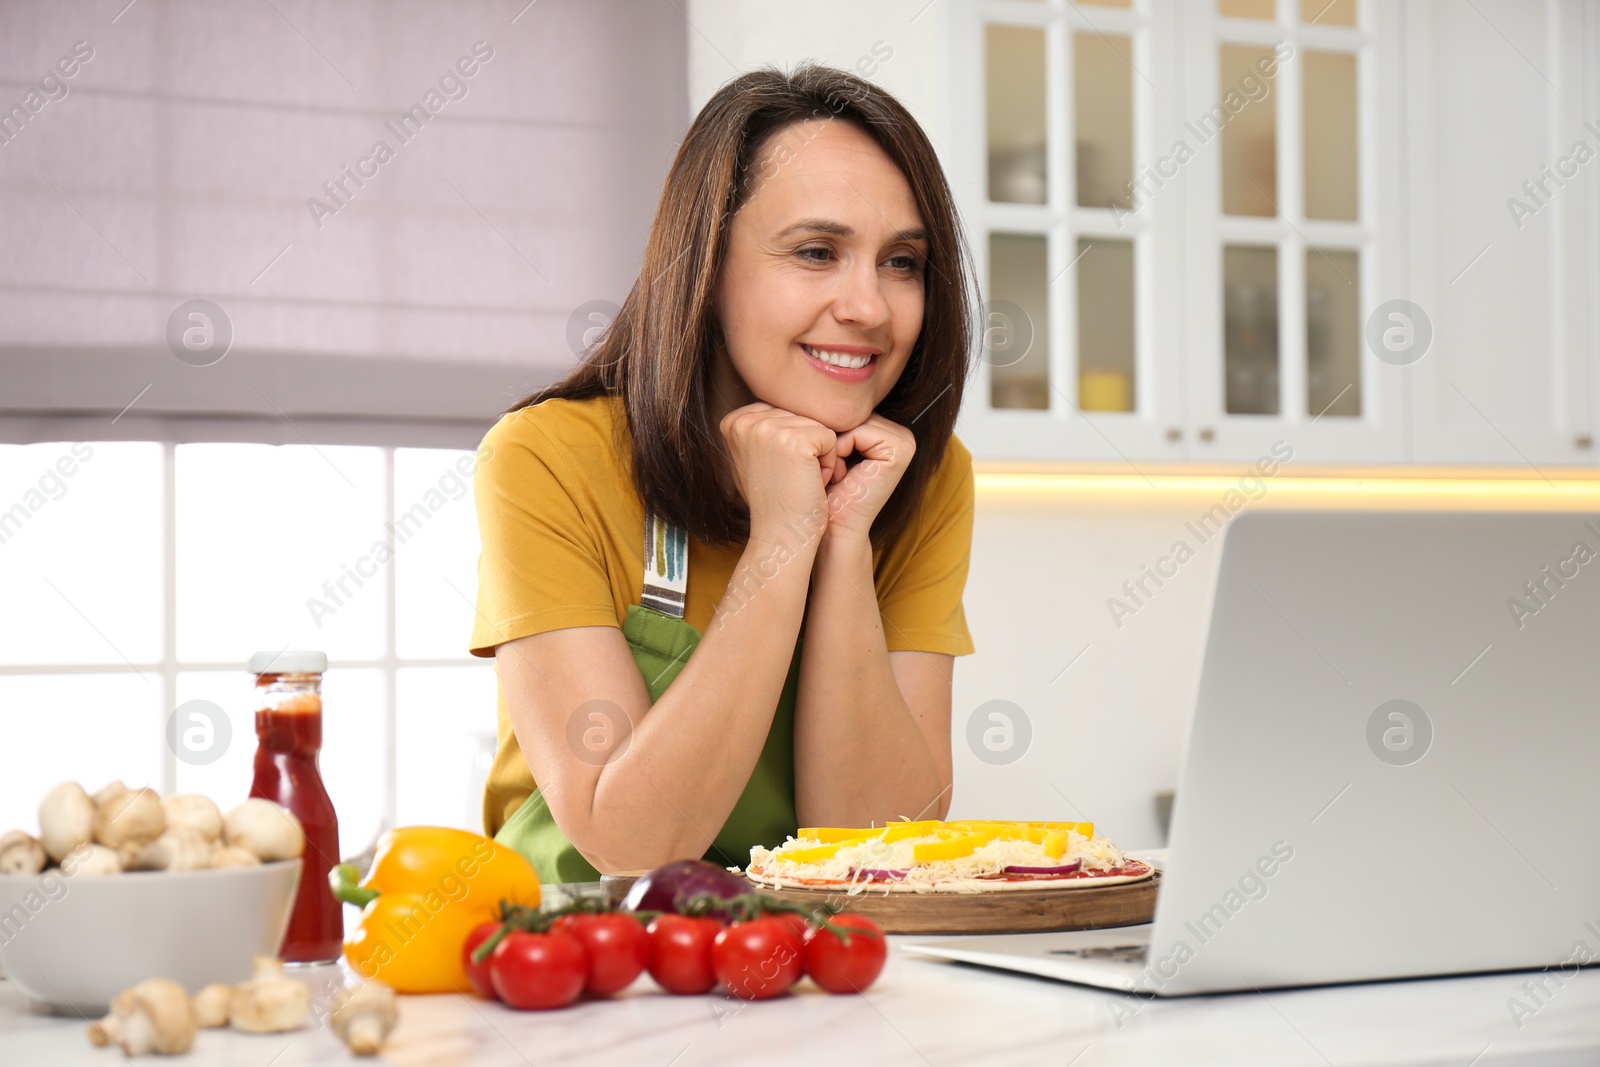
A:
(74, 943)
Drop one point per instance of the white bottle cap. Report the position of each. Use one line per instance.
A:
(289, 661)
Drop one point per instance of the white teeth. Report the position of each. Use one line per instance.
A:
(838, 359)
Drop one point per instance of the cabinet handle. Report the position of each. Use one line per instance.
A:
(1583, 440)
(1207, 433)
(1174, 433)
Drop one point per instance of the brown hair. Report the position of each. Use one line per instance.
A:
(657, 353)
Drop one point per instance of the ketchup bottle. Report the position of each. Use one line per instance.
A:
(289, 736)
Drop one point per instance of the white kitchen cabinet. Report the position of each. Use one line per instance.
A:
(1082, 354)
(1371, 167)
(1291, 232)
(1505, 269)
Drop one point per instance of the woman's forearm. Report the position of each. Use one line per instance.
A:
(691, 756)
(859, 756)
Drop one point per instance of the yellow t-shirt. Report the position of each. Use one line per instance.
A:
(562, 532)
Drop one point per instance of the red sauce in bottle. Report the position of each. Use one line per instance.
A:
(289, 734)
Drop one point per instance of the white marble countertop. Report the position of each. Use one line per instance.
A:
(925, 1013)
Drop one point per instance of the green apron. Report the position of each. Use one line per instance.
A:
(662, 642)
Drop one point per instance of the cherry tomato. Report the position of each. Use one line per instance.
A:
(617, 945)
(478, 973)
(758, 959)
(680, 952)
(538, 970)
(796, 922)
(846, 967)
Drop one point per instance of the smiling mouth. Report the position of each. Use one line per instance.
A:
(838, 359)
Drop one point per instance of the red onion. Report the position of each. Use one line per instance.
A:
(1068, 869)
(877, 874)
(665, 887)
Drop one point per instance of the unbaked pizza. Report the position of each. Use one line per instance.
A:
(932, 856)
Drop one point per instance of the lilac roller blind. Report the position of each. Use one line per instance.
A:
(401, 214)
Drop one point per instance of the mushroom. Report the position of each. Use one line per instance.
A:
(366, 1017)
(153, 1016)
(175, 850)
(90, 860)
(131, 815)
(267, 829)
(193, 811)
(20, 854)
(103, 1032)
(107, 791)
(228, 856)
(270, 1002)
(211, 1005)
(66, 820)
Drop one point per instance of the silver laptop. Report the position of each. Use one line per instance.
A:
(1393, 769)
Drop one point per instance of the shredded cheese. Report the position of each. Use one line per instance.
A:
(834, 856)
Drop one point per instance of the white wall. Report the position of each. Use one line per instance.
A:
(1106, 731)
(728, 37)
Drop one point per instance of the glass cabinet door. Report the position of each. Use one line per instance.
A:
(1075, 230)
(1016, 119)
(1284, 263)
(1016, 323)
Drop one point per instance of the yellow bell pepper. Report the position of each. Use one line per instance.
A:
(899, 831)
(811, 855)
(997, 830)
(953, 847)
(429, 886)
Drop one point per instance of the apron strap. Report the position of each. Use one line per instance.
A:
(666, 566)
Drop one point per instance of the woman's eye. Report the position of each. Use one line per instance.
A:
(909, 264)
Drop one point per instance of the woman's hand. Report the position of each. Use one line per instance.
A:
(856, 494)
(782, 463)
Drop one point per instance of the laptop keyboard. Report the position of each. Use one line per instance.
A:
(1119, 953)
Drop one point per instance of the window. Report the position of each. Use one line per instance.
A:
(138, 576)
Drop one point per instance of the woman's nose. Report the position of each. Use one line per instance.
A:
(861, 298)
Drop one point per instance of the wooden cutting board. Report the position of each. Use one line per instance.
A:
(1014, 912)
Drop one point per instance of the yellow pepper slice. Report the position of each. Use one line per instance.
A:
(998, 829)
(811, 855)
(1084, 828)
(1015, 830)
(899, 831)
(953, 847)
(1055, 844)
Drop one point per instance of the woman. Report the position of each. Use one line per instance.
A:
(706, 482)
